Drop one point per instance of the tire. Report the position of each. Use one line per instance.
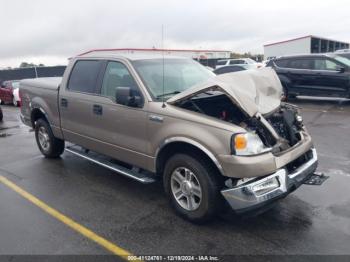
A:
(205, 203)
(1, 115)
(285, 93)
(50, 146)
(1, 102)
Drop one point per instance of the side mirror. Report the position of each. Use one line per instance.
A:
(340, 69)
(125, 96)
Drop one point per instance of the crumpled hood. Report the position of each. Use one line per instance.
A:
(254, 91)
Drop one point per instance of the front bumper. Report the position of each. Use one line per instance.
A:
(247, 197)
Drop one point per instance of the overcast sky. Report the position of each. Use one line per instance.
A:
(50, 31)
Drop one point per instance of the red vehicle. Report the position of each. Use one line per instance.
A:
(6, 92)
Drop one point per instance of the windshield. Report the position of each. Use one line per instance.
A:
(179, 75)
(342, 60)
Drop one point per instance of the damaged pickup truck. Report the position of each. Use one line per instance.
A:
(214, 141)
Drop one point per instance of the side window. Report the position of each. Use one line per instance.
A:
(221, 62)
(325, 64)
(84, 76)
(281, 63)
(301, 64)
(117, 75)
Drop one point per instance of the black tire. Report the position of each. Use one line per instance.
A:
(208, 179)
(285, 92)
(55, 146)
(1, 115)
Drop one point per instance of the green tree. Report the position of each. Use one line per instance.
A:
(26, 65)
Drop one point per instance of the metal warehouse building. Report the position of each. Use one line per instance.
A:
(303, 45)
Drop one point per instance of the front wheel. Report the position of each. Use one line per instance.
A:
(50, 146)
(192, 187)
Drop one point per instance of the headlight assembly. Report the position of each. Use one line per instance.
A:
(247, 144)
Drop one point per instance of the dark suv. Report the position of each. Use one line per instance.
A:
(313, 75)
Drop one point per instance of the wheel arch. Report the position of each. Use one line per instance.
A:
(184, 145)
(36, 114)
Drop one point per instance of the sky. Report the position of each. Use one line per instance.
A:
(50, 31)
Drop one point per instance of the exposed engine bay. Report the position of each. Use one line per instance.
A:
(215, 104)
(286, 120)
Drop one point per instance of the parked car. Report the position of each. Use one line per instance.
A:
(313, 75)
(247, 63)
(207, 137)
(9, 93)
(229, 69)
(343, 54)
(1, 114)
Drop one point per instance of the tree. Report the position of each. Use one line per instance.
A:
(26, 65)
(256, 57)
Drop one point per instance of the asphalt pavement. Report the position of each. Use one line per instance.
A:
(312, 220)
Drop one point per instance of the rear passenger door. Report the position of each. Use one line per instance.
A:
(76, 102)
(301, 75)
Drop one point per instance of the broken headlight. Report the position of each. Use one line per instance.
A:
(247, 144)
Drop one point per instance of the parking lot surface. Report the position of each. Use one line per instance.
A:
(135, 217)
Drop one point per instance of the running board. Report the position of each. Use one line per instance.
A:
(101, 160)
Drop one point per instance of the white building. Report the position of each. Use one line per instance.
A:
(303, 45)
(195, 54)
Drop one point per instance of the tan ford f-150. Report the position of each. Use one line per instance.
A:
(214, 141)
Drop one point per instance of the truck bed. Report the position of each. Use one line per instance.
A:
(41, 93)
(46, 83)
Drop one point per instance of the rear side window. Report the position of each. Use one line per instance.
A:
(84, 76)
(237, 62)
(283, 63)
(228, 69)
(221, 62)
(301, 64)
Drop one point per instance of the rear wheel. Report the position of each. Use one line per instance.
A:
(192, 187)
(50, 146)
(1, 115)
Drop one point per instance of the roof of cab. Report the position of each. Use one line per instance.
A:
(132, 57)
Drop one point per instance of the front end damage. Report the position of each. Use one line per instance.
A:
(252, 101)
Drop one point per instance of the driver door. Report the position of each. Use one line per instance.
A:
(121, 128)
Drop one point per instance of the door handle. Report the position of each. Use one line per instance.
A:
(97, 109)
(64, 102)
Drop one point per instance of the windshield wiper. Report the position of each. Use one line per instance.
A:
(168, 94)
